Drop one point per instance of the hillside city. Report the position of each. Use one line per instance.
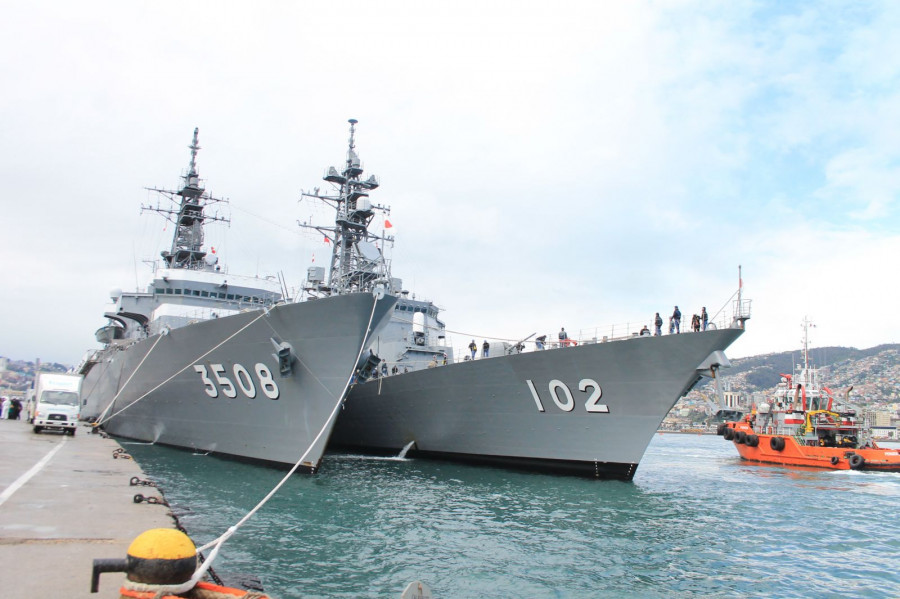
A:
(874, 375)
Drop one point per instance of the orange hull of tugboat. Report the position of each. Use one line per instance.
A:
(787, 451)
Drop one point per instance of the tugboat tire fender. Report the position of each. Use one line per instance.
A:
(740, 437)
(728, 434)
(857, 462)
(835, 460)
(776, 443)
(751, 440)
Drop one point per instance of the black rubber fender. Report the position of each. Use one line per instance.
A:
(857, 462)
(728, 434)
(776, 443)
(740, 436)
(835, 460)
(751, 440)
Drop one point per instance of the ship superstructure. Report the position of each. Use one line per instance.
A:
(189, 284)
(357, 262)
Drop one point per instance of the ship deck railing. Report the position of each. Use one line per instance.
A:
(616, 332)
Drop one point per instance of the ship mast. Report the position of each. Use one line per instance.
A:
(357, 263)
(806, 325)
(187, 250)
(809, 377)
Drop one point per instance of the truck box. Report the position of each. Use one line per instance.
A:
(57, 402)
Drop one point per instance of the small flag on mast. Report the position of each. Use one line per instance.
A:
(387, 224)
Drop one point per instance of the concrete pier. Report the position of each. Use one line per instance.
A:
(63, 502)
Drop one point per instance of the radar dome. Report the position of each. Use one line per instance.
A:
(115, 294)
(211, 259)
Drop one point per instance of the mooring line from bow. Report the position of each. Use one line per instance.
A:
(191, 363)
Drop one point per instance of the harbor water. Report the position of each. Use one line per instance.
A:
(696, 521)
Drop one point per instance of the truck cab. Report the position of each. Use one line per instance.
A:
(56, 403)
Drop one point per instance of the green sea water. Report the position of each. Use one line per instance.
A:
(695, 522)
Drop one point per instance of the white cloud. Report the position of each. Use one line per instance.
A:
(579, 165)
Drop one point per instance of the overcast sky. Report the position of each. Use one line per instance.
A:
(547, 164)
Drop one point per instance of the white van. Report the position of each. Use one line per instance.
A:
(57, 402)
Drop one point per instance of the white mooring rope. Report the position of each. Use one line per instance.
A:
(216, 544)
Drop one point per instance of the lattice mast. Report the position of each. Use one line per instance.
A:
(357, 263)
(188, 216)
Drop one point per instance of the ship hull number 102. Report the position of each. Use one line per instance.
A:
(564, 399)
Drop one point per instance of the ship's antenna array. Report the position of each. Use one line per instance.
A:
(187, 213)
(357, 262)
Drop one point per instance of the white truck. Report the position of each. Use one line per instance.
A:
(56, 403)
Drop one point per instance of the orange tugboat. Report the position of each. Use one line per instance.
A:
(804, 426)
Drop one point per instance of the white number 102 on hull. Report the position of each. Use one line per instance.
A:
(567, 403)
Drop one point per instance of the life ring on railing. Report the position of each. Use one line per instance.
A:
(857, 462)
(776, 443)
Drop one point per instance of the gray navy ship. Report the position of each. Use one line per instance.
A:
(587, 407)
(216, 362)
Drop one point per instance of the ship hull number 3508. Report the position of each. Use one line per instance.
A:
(564, 399)
(243, 381)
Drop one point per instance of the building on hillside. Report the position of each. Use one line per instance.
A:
(877, 418)
(885, 432)
(733, 400)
